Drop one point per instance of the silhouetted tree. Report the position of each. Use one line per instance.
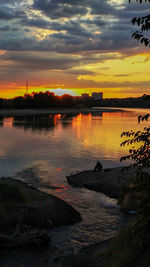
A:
(141, 155)
(1, 103)
(66, 101)
(144, 25)
(19, 102)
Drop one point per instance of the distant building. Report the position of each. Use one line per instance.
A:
(85, 95)
(97, 96)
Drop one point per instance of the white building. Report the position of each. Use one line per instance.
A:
(97, 96)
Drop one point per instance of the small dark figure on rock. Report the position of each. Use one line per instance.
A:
(98, 166)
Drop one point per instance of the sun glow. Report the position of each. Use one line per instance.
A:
(61, 92)
(113, 74)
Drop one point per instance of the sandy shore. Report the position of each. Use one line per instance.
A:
(32, 112)
(108, 181)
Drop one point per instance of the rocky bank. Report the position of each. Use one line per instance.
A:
(107, 181)
(23, 209)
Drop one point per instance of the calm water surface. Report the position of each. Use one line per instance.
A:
(61, 144)
(42, 150)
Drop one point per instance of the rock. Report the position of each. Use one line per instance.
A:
(37, 209)
(91, 256)
(109, 181)
(98, 166)
(18, 239)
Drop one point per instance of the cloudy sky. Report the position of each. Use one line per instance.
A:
(72, 46)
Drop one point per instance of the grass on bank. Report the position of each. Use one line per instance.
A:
(131, 246)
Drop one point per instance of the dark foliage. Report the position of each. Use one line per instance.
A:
(42, 100)
(50, 100)
(144, 25)
(133, 241)
(140, 155)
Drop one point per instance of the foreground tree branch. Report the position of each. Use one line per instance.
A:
(144, 26)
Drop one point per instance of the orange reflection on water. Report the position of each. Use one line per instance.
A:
(58, 116)
(84, 127)
(102, 132)
(80, 122)
(115, 114)
(8, 122)
(62, 192)
(55, 118)
(61, 188)
(59, 169)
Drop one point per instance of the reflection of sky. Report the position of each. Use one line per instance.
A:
(100, 136)
(72, 143)
(43, 157)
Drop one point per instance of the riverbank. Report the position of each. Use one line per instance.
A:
(24, 209)
(33, 112)
(92, 256)
(108, 181)
(130, 247)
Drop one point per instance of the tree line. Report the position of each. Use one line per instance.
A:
(38, 100)
(50, 100)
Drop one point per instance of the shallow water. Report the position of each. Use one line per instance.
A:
(42, 150)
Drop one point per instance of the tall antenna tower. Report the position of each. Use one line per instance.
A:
(27, 87)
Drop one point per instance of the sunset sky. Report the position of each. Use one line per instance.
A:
(72, 46)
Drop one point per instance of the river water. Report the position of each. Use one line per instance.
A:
(42, 150)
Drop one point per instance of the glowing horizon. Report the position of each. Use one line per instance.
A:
(83, 48)
(73, 92)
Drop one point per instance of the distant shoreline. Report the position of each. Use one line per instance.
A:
(33, 112)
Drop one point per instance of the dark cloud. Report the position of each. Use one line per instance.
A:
(34, 61)
(106, 28)
(79, 72)
(5, 28)
(127, 84)
(50, 61)
(102, 7)
(7, 13)
(10, 2)
(21, 44)
(8, 28)
(60, 9)
(36, 22)
(121, 75)
(19, 65)
(82, 27)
